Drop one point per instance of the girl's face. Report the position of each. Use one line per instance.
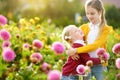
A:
(92, 14)
(76, 34)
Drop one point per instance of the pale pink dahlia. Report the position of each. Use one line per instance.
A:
(116, 48)
(80, 69)
(100, 51)
(36, 57)
(58, 47)
(4, 34)
(6, 44)
(37, 43)
(3, 20)
(118, 63)
(54, 75)
(8, 54)
(105, 56)
(26, 46)
(45, 67)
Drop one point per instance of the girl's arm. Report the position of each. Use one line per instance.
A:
(101, 41)
(86, 57)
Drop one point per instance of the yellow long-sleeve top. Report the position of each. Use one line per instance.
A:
(99, 42)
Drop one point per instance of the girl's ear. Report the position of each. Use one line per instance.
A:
(70, 41)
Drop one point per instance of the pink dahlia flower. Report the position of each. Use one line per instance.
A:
(8, 54)
(26, 46)
(118, 63)
(116, 48)
(54, 75)
(80, 69)
(100, 51)
(3, 20)
(36, 57)
(37, 43)
(5, 35)
(6, 44)
(58, 47)
(45, 67)
(105, 56)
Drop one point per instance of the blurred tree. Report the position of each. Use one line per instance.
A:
(113, 16)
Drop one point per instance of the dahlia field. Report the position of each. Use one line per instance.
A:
(31, 49)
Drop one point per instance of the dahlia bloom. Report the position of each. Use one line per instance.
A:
(45, 67)
(3, 20)
(116, 48)
(118, 63)
(54, 75)
(8, 54)
(36, 57)
(102, 54)
(100, 51)
(5, 35)
(58, 47)
(37, 43)
(105, 56)
(80, 69)
(26, 46)
(6, 44)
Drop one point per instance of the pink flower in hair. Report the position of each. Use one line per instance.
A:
(116, 48)
(8, 54)
(58, 47)
(3, 20)
(118, 63)
(54, 75)
(5, 35)
(37, 43)
(80, 69)
(100, 51)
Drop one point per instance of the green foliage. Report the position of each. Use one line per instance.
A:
(113, 16)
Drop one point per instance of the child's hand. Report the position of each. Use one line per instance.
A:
(75, 57)
(70, 51)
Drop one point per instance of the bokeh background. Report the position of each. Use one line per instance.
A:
(34, 26)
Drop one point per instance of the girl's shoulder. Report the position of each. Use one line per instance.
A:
(108, 28)
(84, 25)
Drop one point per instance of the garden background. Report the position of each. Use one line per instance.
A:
(42, 21)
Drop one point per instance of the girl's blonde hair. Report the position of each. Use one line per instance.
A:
(66, 32)
(98, 5)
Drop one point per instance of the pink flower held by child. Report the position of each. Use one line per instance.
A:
(105, 56)
(5, 35)
(118, 63)
(100, 51)
(3, 20)
(116, 48)
(54, 75)
(58, 47)
(80, 69)
(8, 55)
